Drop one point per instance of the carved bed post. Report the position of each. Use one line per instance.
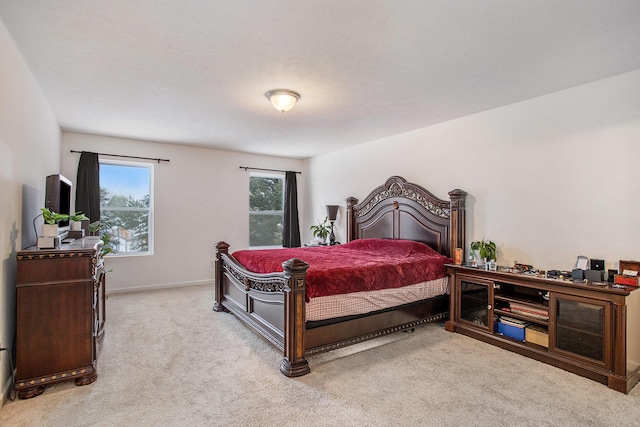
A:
(458, 221)
(294, 363)
(351, 233)
(221, 248)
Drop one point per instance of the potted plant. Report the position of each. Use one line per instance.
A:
(77, 219)
(486, 249)
(97, 229)
(51, 220)
(321, 230)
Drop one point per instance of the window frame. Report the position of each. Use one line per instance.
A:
(281, 177)
(151, 210)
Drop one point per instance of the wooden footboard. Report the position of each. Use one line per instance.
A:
(272, 304)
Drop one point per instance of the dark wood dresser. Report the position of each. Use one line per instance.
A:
(60, 315)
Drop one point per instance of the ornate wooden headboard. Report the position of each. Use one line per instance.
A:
(401, 210)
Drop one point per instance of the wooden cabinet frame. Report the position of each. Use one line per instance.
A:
(60, 315)
(459, 307)
(620, 365)
(607, 338)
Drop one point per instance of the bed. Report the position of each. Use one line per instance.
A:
(282, 306)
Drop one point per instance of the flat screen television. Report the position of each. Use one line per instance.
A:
(58, 198)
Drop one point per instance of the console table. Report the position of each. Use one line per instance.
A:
(593, 328)
(60, 315)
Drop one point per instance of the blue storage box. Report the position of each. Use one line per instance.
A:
(511, 331)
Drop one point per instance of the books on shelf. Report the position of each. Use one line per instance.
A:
(512, 328)
(513, 322)
(526, 310)
(537, 335)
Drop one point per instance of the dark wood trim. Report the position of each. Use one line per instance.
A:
(351, 232)
(458, 220)
(222, 248)
(294, 363)
(442, 223)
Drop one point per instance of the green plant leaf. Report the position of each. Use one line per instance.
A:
(322, 229)
(51, 217)
(486, 249)
(78, 216)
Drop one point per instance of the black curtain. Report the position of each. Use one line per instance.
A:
(88, 186)
(291, 228)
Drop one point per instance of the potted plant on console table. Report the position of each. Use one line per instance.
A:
(51, 220)
(321, 231)
(77, 218)
(486, 249)
(100, 228)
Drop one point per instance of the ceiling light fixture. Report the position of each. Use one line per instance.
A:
(282, 99)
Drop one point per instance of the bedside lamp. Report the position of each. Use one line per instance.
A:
(332, 214)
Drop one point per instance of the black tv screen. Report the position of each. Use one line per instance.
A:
(58, 196)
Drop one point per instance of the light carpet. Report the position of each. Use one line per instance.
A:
(169, 360)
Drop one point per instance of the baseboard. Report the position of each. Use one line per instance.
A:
(160, 286)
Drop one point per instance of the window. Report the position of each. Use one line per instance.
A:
(266, 209)
(126, 205)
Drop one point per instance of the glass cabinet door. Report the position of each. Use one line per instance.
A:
(581, 327)
(474, 302)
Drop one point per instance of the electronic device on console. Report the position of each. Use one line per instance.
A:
(558, 274)
(577, 275)
(58, 199)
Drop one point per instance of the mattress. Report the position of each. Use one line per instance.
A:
(358, 266)
(357, 303)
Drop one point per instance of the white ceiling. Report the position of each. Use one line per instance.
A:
(195, 72)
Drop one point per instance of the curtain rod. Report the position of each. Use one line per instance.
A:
(128, 157)
(246, 168)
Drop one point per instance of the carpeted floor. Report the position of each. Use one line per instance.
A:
(169, 360)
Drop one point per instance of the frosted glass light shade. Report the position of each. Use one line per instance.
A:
(282, 99)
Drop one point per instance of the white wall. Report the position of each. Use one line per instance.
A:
(548, 179)
(201, 197)
(29, 151)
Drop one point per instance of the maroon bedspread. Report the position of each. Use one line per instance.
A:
(360, 265)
